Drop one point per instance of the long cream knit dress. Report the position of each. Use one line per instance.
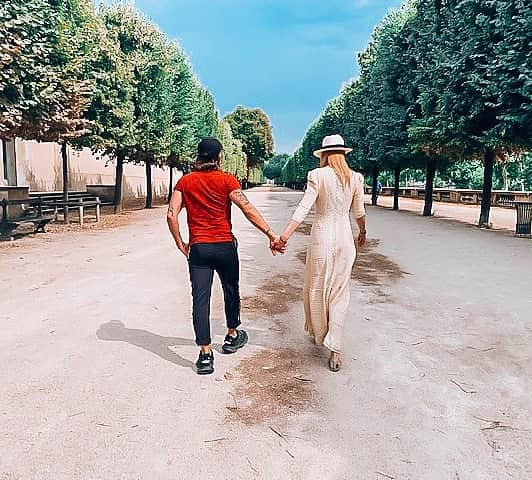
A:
(331, 253)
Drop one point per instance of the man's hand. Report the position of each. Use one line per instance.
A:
(184, 248)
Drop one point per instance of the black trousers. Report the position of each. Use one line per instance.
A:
(205, 259)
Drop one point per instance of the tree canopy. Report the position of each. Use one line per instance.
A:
(253, 128)
(274, 167)
(108, 79)
(440, 82)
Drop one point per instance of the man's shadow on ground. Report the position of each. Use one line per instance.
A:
(116, 331)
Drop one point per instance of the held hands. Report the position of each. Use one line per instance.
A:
(278, 246)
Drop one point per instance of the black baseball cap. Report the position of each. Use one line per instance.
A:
(209, 147)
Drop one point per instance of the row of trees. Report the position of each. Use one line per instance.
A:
(110, 80)
(441, 81)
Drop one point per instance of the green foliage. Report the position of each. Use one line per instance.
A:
(382, 105)
(45, 80)
(463, 174)
(110, 78)
(253, 128)
(274, 167)
(234, 161)
(440, 82)
(111, 111)
(474, 83)
(288, 172)
(255, 175)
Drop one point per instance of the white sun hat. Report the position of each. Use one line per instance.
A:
(332, 143)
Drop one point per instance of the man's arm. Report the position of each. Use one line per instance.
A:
(174, 209)
(252, 214)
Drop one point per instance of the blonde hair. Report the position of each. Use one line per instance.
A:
(336, 160)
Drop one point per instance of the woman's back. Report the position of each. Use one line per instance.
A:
(333, 198)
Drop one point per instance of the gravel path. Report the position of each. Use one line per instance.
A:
(97, 355)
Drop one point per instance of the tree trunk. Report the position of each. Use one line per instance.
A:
(171, 184)
(374, 193)
(397, 179)
(149, 192)
(120, 157)
(429, 187)
(64, 158)
(489, 160)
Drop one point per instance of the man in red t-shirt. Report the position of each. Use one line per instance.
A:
(207, 194)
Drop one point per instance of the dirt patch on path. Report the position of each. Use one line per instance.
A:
(373, 268)
(273, 297)
(271, 385)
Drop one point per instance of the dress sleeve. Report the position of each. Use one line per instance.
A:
(357, 206)
(308, 199)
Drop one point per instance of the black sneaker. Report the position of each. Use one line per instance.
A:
(205, 363)
(232, 344)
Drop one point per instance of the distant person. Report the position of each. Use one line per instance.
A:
(337, 191)
(379, 187)
(206, 194)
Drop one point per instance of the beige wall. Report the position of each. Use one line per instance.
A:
(39, 166)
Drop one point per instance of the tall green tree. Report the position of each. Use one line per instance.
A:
(111, 112)
(147, 60)
(476, 100)
(46, 82)
(384, 101)
(253, 128)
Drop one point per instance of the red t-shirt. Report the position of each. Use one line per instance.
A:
(206, 198)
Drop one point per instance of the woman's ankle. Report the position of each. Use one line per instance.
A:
(205, 348)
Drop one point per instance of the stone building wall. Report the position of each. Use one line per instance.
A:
(39, 166)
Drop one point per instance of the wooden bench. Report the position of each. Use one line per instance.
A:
(81, 204)
(49, 197)
(32, 212)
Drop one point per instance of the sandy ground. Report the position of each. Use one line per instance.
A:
(500, 218)
(97, 359)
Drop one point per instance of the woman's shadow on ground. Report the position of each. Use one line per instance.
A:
(116, 331)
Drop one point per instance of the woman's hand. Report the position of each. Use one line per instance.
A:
(361, 239)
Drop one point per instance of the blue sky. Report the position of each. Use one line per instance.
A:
(288, 57)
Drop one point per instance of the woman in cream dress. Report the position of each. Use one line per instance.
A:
(336, 191)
